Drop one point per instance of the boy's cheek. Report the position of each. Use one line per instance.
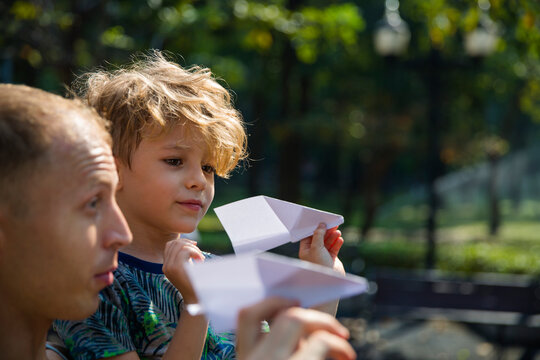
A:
(204, 212)
(209, 198)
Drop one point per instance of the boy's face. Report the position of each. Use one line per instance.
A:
(169, 186)
(61, 252)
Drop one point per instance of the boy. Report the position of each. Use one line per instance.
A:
(60, 226)
(172, 130)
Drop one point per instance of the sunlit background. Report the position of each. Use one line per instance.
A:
(418, 120)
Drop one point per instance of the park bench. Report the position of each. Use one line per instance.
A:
(496, 301)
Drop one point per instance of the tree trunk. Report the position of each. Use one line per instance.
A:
(290, 157)
(351, 188)
(494, 211)
(434, 150)
(256, 144)
(375, 172)
(289, 149)
(370, 210)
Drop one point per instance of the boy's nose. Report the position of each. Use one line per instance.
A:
(117, 232)
(195, 179)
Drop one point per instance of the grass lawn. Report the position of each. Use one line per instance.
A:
(461, 248)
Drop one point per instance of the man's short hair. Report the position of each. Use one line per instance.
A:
(152, 95)
(30, 120)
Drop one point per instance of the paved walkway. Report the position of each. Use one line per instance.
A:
(391, 339)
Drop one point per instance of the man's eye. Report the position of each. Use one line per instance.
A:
(208, 169)
(93, 203)
(173, 162)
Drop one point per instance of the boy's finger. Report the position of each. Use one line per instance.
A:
(173, 245)
(180, 253)
(181, 259)
(331, 237)
(336, 246)
(169, 248)
(166, 251)
(318, 236)
(305, 244)
(330, 231)
(188, 241)
(189, 252)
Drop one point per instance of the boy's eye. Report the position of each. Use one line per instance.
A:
(173, 162)
(208, 169)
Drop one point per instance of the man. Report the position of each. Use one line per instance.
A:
(60, 227)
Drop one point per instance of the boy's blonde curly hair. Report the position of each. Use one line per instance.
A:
(153, 95)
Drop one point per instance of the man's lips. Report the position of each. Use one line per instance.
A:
(106, 277)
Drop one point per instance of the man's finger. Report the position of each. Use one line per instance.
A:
(322, 345)
(290, 328)
(312, 320)
(249, 322)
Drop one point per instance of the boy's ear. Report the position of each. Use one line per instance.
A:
(120, 170)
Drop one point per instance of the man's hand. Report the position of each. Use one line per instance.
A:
(296, 333)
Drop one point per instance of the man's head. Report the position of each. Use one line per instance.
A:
(60, 226)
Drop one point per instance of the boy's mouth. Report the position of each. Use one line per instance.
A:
(194, 205)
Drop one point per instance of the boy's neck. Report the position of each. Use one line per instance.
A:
(148, 246)
(22, 336)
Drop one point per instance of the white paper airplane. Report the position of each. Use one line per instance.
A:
(261, 223)
(226, 285)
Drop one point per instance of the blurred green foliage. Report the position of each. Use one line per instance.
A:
(507, 253)
(477, 257)
(330, 121)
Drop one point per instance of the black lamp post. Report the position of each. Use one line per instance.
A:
(392, 35)
(391, 39)
(483, 40)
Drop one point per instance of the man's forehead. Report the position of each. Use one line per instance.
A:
(76, 124)
(66, 178)
(83, 155)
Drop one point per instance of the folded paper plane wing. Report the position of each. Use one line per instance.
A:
(226, 285)
(261, 223)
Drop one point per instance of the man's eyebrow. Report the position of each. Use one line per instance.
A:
(102, 179)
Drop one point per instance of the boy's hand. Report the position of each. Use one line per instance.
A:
(177, 253)
(323, 248)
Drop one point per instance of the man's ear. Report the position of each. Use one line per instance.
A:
(120, 168)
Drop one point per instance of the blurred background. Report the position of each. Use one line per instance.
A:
(418, 120)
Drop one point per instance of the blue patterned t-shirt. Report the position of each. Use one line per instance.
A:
(138, 312)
